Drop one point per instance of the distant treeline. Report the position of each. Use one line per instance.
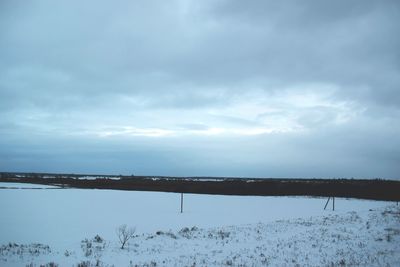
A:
(377, 189)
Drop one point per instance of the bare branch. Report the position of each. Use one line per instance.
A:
(124, 234)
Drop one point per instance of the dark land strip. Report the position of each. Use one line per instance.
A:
(375, 189)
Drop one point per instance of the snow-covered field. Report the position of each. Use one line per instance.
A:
(26, 186)
(44, 226)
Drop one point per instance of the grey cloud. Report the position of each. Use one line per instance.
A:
(100, 52)
(187, 100)
(237, 121)
(330, 153)
(303, 13)
(351, 44)
(316, 117)
(73, 67)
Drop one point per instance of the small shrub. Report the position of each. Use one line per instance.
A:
(84, 264)
(124, 234)
(91, 246)
(223, 234)
(50, 264)
(86, 246)
(67, 253)
(229, 263)
(169, 234)
(185, 232)
(172, 235)
(98, 239)
(388, 237)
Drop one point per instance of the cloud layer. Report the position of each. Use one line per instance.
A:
(260, 88)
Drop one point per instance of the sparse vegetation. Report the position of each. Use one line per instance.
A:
(34, 249)
(84, 264)
(93, 246)
(67, 253)
(50, 264)
(124, 234)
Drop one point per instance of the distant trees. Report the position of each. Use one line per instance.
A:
(124, 234)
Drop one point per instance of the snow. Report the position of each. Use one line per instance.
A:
(25, 186)
(227, 229)
(85, 177)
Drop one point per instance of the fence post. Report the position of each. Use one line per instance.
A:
(333, 207)
(327, 202)
(181, 202)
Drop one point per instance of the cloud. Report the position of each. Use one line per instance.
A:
(242, 80)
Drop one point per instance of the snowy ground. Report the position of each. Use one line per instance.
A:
(26, 186)
(44, 226)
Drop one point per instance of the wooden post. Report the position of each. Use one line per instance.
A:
(333, 206)
(181, 202)
(327, 202)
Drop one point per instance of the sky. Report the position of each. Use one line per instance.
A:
(201, 88)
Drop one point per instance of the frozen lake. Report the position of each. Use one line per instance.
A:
(60, 217)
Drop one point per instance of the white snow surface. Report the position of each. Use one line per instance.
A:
(46, 226)
(26, 186)
(85, 177)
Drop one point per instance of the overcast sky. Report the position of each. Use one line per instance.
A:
(202, 88)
